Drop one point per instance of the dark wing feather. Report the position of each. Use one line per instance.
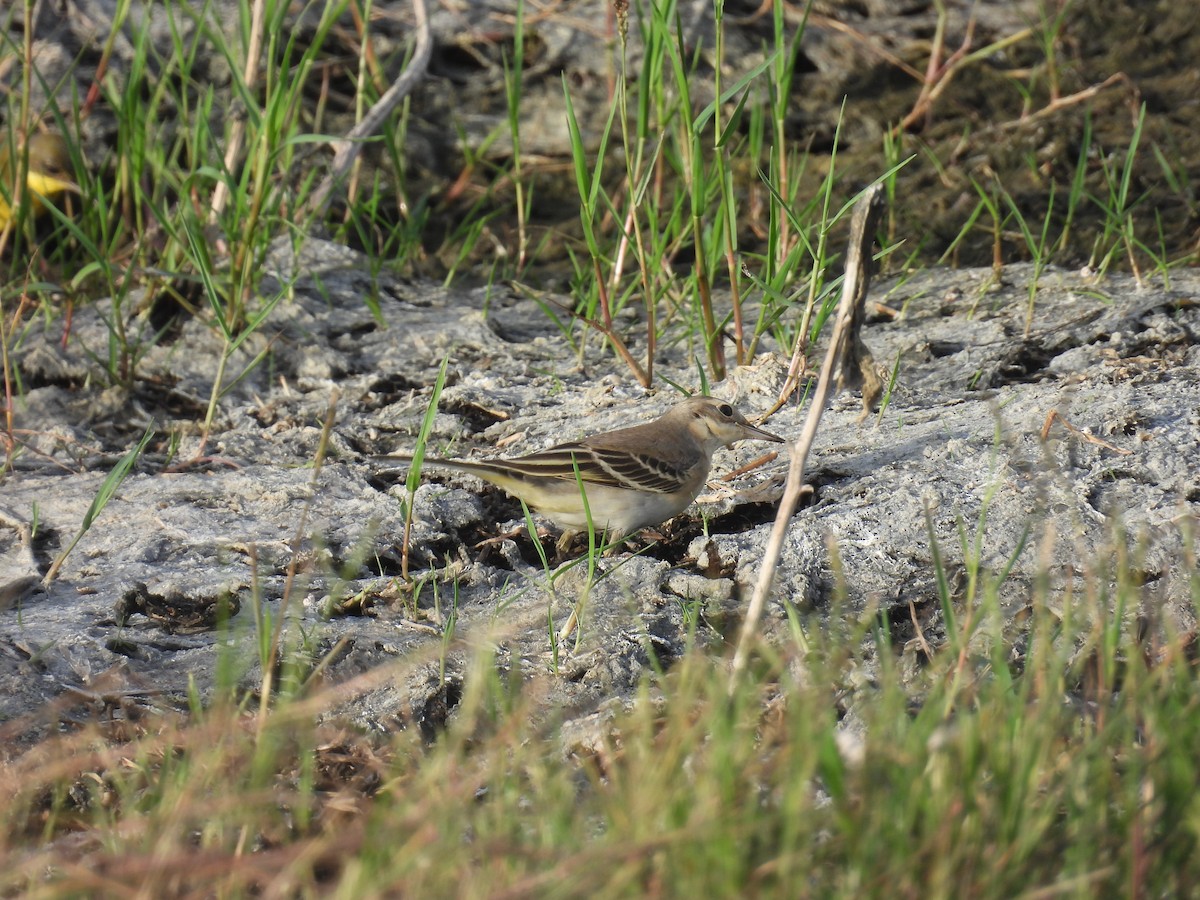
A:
(649, 473)
(602, 466)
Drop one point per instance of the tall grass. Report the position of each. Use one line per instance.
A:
(1055, 757)
(190, 198)
(692, 226)
(676, 216)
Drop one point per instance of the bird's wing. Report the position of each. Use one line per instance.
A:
(600, 465)
(603, 466)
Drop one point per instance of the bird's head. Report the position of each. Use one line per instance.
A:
(47, 175)
(49, 171)
(715, 423)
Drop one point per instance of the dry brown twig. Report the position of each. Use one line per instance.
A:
(847, 362)
(237, 132)
(1055, 416)
(750, 466)
(605, 329)
(346, 149)
(912, 612)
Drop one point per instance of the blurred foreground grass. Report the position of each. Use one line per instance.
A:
(1054, 757)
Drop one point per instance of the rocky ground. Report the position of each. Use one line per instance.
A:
(165, 583)
(161, 591)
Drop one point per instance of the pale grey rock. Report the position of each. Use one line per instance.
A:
(958, 444)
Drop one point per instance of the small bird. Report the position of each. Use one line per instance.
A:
(48, 174)
(632, 477)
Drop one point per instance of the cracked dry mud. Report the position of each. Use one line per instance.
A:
(166, 579)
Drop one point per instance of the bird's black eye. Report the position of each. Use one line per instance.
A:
(726, 410)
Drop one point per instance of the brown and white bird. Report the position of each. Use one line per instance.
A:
(632, 477)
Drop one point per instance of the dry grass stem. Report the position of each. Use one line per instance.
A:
(854, 293)
(347, 149)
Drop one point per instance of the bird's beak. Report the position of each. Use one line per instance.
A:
(753, 433)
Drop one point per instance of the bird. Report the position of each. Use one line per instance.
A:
(47, 175)
(632, 478)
